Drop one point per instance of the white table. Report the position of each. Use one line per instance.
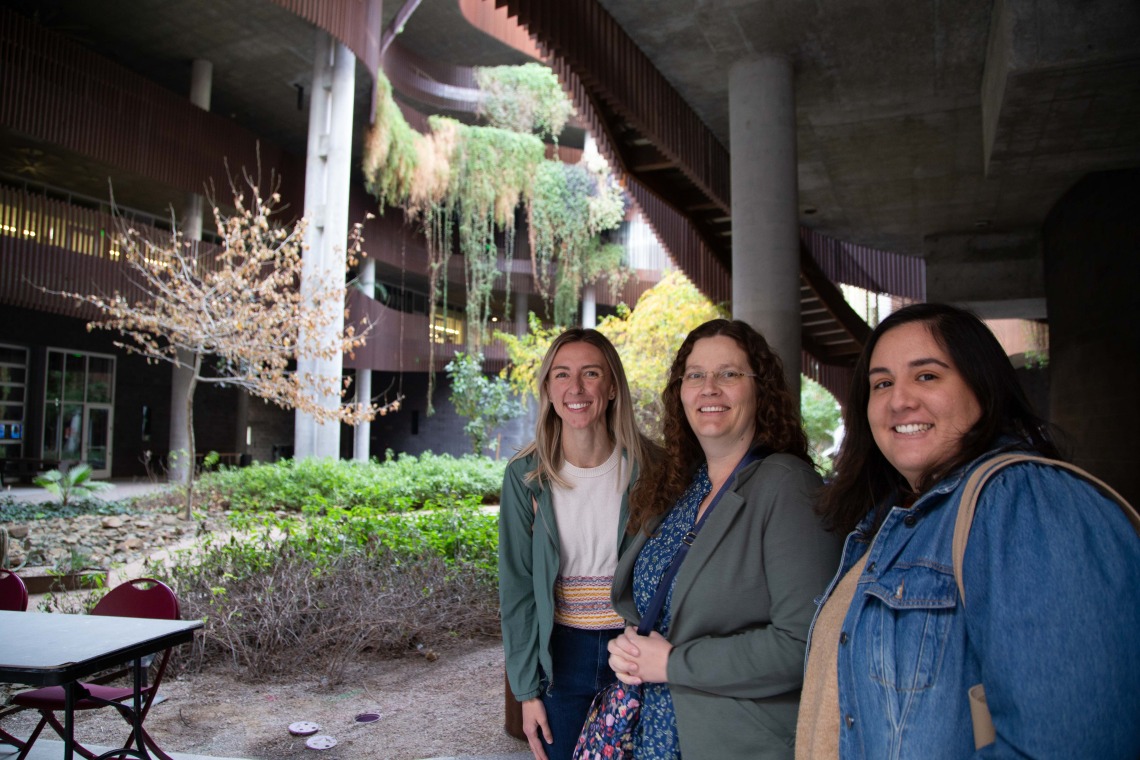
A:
(51, 649)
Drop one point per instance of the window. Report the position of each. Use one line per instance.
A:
(13, 393)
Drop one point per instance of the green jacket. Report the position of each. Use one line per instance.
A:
(742, 604)
(528, 567)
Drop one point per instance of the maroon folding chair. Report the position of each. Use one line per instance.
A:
(13, 598)
(141, 598)
(13, 592)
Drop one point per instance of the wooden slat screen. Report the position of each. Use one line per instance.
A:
(59, 92)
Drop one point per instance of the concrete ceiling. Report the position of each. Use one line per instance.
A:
(917, 119)
(894, 99)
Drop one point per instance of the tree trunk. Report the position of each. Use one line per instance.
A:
(182, 374)
(190, 437)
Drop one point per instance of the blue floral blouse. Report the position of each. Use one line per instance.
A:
(656, 737)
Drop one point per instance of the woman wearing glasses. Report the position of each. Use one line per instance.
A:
(720, 673)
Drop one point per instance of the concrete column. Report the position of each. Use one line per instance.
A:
(201, 85)
(590, 306)
(765, 227)
(362, 435)
(327, 170)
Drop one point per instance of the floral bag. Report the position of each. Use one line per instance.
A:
(608, 733)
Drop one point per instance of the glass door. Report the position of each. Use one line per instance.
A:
(78, 409)
(97, 439)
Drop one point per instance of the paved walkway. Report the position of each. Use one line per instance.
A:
(121, 489)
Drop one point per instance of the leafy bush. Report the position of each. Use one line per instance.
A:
(399, 483)
(72, 484)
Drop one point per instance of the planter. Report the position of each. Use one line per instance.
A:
(43, 580)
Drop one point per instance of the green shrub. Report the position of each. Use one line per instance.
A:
(397, 484)
(317, 589)
(13, 510)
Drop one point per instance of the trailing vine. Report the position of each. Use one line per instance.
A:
(464, 183)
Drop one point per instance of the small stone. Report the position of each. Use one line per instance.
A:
(112, 521)
(17, 531)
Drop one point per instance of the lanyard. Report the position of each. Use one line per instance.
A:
(653, 611)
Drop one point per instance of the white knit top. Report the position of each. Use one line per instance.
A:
(587, 515)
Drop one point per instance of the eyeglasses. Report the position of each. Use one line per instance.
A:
(725, 378)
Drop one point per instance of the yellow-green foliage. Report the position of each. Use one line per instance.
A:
(524, 355)
(391, 151)
(648, 337)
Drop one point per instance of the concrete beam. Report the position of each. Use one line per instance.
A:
(1061, 87)
(997, 275)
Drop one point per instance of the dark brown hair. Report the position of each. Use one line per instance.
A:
(864, 479)
(777, 421)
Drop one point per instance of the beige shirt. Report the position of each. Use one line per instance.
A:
(588, 514)
(817, 731)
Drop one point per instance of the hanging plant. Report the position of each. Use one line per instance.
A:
(464, 183)
(525, 99)
(571, 207)
(492, 173)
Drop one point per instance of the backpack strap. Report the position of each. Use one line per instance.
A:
(969, 503)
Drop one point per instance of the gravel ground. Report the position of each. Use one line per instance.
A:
(449, 706)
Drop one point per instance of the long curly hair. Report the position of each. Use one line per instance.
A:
(620, 422)
(864, 478)
(778, 426)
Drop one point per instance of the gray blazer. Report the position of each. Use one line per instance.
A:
(742, 604)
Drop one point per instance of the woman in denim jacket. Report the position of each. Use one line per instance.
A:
(1052, 570)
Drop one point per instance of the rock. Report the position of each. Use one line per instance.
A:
(99, 541)
(130, 545)
(17, 531)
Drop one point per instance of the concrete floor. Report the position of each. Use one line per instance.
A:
(53, 750)
(44, 749)
(121, 489)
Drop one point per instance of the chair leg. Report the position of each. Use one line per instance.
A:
(51, 720)
(32, 739)
(7, 738)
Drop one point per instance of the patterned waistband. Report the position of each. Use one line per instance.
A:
(584, 602)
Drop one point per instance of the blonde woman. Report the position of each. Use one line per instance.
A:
(561, 530)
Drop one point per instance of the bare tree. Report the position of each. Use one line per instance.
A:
(236, 315)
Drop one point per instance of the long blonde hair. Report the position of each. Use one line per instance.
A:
(620, 422)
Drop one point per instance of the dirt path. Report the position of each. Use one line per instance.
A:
(450, 707)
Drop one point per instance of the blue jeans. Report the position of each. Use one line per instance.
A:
(581, 670)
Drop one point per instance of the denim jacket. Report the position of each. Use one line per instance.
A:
(1052, 626)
